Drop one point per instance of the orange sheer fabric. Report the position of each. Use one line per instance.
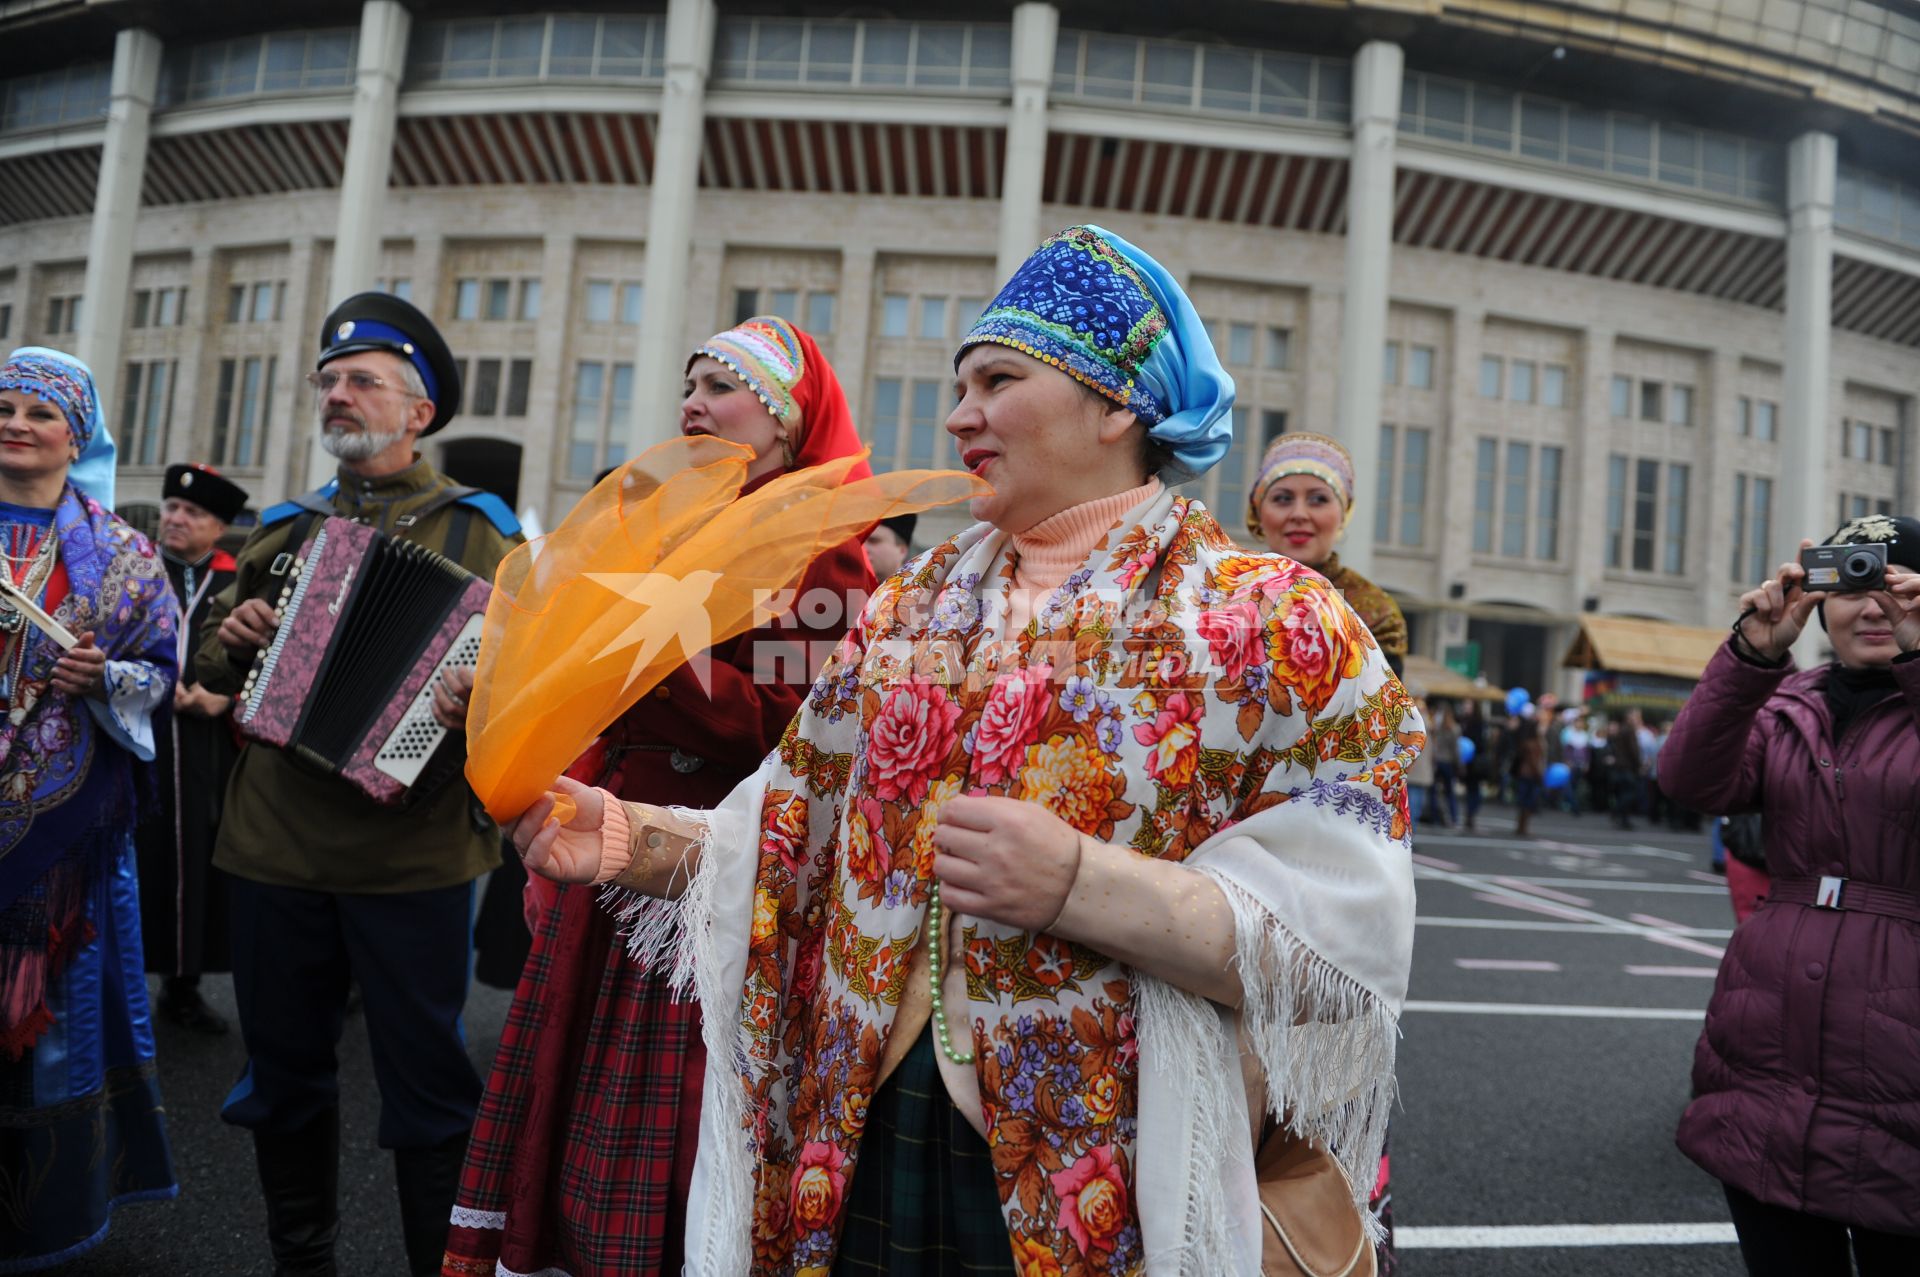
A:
(660, 561)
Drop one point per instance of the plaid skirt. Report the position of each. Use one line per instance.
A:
(583, 1150)
(923, 1199)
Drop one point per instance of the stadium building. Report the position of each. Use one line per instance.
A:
(1613, 300)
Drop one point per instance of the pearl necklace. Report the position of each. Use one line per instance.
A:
(936, 971)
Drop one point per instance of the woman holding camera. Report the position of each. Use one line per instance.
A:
(1807, 1079)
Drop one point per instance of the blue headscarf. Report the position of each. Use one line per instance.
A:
(67, 383)
(1106, 314)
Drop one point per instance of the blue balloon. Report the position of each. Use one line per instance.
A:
(1518, 700)
(1559, 776)
(1467, 750)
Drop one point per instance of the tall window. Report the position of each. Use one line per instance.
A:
(1752, 526)
(893, 314)
(1620, 396)
(1673, 545)
(1279, 349)
(1646, 502)
(1546, 511)
(1420, 367)
(1616, 511)
(602, 417)
(1401, 518)
(1492, 372)
(1486, 477)
(1553, 385)
(241, 409)
(1390, 364)
(146, 411)
(1513, 504)
(1520, 381)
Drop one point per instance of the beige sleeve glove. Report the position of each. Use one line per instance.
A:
(1158, 917)
(648, 849)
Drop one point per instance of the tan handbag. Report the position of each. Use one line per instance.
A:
(1312, 1227)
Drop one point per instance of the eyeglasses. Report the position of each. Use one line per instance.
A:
(361, 383)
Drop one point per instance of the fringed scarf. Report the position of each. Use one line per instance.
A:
(63, 782)
(1176, 695)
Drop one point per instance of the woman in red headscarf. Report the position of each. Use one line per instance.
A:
(583, 1151)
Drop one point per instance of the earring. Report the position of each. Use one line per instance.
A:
(786, 449)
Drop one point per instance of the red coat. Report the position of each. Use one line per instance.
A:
(1807, 1079)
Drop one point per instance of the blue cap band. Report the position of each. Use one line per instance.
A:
(358, 331)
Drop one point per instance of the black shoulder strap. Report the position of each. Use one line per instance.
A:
(297, 534)
(456, 547)
(433, 505)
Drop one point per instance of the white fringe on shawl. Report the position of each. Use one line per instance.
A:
(698, 943)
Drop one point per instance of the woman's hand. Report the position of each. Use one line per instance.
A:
(1005, 860)
(564, 853)
(1780, 609)
(82, 670)
(1901, 602)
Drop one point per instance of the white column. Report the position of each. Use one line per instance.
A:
(1806, 429)
(116, 203)
(551, 376)
(671, 197)
(853, 338)
(1036, 28)
(384, 26)
(1805, 508)
(1363, 327)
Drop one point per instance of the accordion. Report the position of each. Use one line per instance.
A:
(369, 626)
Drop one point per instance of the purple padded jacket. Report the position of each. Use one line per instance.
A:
(1807, 1079)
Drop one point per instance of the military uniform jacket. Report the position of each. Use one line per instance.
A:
(287, 825)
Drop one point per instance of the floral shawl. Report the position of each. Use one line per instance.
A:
(66, 771)
(1176, 695)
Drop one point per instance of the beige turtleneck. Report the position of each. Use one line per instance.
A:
(1050, 551)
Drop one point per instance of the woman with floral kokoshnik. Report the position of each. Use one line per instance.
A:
(77, 1087)
(1087, 726)
(1302, 500)
(583, 1152)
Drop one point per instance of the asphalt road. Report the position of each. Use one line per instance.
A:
(1553, 1119)
(1557, 993)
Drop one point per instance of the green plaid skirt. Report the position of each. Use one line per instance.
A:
(923, 1199)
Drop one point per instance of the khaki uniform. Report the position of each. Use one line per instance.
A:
(289, 826)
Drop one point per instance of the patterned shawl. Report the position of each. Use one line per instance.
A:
(63, 777)
(1176, 695)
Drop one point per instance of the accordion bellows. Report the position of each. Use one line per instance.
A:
(661, 560)
(369, 625)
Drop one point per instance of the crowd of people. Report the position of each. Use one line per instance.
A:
(1080, 950)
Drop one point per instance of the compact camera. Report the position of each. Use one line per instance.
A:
(1845, 567)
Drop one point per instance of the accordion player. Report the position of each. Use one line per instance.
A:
(369, 626)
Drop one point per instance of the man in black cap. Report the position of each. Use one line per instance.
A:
(327, 885)
(183, 898)
(890, 544)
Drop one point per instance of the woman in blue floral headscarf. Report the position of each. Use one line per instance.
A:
(80, 1116)
(1089, 803)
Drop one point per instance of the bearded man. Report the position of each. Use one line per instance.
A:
(329, 886)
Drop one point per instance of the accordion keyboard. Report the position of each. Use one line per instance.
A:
(411, 744)
(291, 596)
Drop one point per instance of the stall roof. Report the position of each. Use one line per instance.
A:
(1427, 677)
(1632, 645)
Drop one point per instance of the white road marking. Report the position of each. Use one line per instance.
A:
(1558, 1009)
(1434, 862)
(1620, 884)
(1515, 901)
(1509, 843)
(1566, 928)
(1533, 888)
(1718, 881)
(1703, 972)
(1505, 964)
(1556, 1236)
(1665, 934)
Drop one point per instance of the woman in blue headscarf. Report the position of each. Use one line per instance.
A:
(1091, 812)
(80, 1116)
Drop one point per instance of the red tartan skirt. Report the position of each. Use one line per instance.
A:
(582, 1154)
